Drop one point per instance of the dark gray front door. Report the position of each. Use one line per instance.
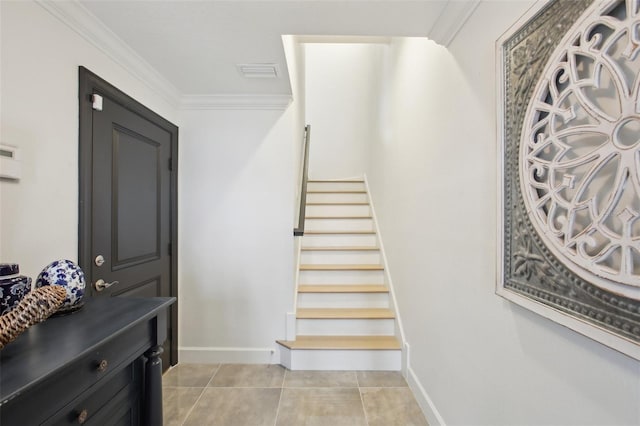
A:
(131, 208)
(129, 247)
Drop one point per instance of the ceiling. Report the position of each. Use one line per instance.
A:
(196, 45)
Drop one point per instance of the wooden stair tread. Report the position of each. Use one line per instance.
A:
(324, 231)
(340, 248)
(341, 267)
(344, 313)
(337, 191)
(345, 203)
(335, 181)
(338, 217)
(342, 288)
(343, 342)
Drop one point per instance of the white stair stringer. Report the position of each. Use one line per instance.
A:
(345, 317)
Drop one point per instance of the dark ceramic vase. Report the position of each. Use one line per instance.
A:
(13, 286)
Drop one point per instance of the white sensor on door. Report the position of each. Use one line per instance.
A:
(9, 162)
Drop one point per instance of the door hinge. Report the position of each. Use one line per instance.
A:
(169, 249)
(170, 164)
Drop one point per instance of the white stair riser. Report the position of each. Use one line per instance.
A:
(350, 257)
(345, 327)
(338, 225)
(336, 198)
(341, 277)
(331, 240)
(381, 360)
(343, 300)
(335, 186)
(338, 210)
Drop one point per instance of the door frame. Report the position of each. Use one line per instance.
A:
(90, 83)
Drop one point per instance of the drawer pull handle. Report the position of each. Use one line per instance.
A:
(83, 416)
(102, 366)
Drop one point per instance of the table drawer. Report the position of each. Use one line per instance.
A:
(89, 373)
(116, 398)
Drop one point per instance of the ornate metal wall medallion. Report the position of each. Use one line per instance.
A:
(570, 138)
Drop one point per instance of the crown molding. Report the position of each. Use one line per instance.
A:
(336, 39)
(73, 14)
(79, 19)
(453, 17)
(235, 102)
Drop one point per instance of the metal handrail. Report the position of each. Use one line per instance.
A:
(299, 230)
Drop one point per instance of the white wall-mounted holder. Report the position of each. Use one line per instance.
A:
(10, 166)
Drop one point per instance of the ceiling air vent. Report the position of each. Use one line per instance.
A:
(258, 70)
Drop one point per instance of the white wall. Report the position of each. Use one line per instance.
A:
(236, 191)
(295, 54)
(342, 87)
(236, 234)
(39, 94)
(481, 360)
(238, 187)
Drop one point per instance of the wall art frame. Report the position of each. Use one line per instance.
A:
(568, 111)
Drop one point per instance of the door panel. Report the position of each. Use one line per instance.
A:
(128, 205)
(148, 288)
(137, 193)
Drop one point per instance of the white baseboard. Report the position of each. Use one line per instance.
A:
(224, 355)
(406, 358)
(426, 404)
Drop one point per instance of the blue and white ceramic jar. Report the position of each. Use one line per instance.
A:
(13, 286)
(67, 274)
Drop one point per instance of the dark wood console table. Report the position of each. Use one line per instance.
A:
(100, 365)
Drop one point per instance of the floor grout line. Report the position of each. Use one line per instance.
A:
(323, 387)
(200, 397)
(192, 407)
(372, 388)
(183, 387)
(243, 387)
(214, 375)
(364, 410)
(284, 378)
(285, 387)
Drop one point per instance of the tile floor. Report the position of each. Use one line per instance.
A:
(252, 395)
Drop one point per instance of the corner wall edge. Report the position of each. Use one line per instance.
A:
(454, 16)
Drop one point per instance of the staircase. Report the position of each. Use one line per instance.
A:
(344, 319)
